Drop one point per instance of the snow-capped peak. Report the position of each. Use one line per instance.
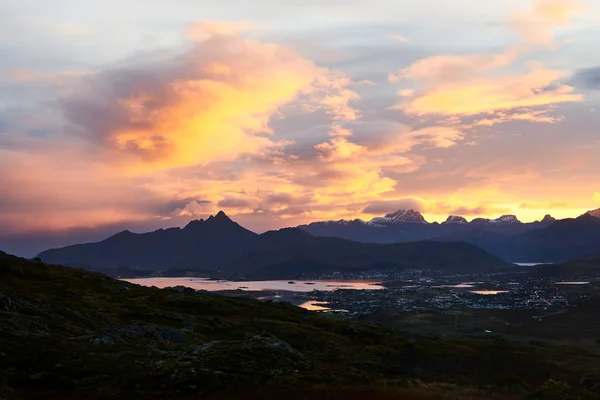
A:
(455, 219)
(594, 213)
(400, 216)
(507, 219)
(503, 220)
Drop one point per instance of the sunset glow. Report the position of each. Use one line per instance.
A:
(478, 110)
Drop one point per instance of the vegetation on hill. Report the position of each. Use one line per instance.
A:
(69, 333)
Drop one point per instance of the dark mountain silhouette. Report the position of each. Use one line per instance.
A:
(548, 240)
(409, 226)
(583, 267)
(220, 247)
(562, 240)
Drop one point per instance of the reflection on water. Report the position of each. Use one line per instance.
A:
(571, 283)
(488, 292)
(530, 264)
(313, 306)
(460, 285)
(296, 286)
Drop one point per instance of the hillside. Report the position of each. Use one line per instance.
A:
(70, 334)
(219, 247)
(579, 268)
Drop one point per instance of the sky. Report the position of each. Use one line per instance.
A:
(139, 115)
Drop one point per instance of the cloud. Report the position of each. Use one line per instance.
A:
(588, 78)
(400, 38)
(280, 198)
(443, 208)
(480, 84)
(213, 102)
(339, 148)
(444, 68)
(438, 136)
(537, 25)
(338, 130)
(385, 207)
(543, 205)
(232, 202)
(500, 117)
(488, 95)
(406, 92)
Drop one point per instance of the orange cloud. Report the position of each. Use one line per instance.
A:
(474, 84)
(521, 115)
(212, 103)
(338, 130)
(482, 95)
(446, 68)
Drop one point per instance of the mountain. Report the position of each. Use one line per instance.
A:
(220, 247)
(560, 241)
(409, 225)
(400, 217)
(580, 268)
(71, 334)
(200, 245)
(594, 213)
(455, 219)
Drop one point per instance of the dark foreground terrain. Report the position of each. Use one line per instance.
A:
(72, 334)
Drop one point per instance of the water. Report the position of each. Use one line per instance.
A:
(531, 264)
(314, 306)
(488, 292)
(296, 286)
(571, 283)
(459, 286)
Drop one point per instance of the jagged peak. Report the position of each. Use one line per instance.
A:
(194, 222)
(221, 214)
(400, 216)
(480, 221)
(508, 219)
(548, 218)
(455, 219)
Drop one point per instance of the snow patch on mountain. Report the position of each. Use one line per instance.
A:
(399, 217)
(455, 219)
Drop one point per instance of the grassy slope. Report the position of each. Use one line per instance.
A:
(164, 344)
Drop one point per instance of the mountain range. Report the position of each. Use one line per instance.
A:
(410, 225)
(219, 247)
(548, 240)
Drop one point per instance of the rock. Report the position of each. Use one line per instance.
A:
(205, 346)
(103, 340)
(171, 335)
(5, 302)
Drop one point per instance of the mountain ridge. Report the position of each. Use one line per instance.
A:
(220, 247)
